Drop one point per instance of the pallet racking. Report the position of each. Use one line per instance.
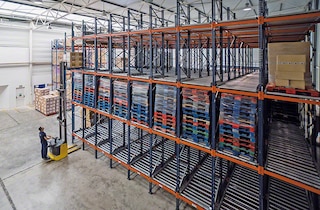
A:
(166, 159)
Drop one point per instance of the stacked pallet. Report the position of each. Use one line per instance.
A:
(38, 92)
(88, 98)
(103, 94)
(77, 87)
(237, 124)
(165, 109)
(120, 98)
(140, 104)
(195, 118)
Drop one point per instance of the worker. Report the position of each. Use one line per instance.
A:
(44, 144)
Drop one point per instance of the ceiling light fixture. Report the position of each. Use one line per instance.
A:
(104, 13)
(37, 1)
(247, 8)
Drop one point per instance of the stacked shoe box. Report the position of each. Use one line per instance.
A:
(196, 118)
(237, 124)
(165, 109)
(89, 86)
(120, 105)
(104, 94)
(140, 103)
(77, 87)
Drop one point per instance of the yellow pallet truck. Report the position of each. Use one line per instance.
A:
(58, 147)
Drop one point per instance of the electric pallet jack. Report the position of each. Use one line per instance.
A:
(58, 147)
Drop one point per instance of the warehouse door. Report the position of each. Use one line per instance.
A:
(20, 96)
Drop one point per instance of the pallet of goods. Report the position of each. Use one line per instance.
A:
(38, 92)
(195, 118)
(104, 94)
(140, 103)
(289, 69)
(120, 99)
(237, 125)
(49, 104)
(165, 109)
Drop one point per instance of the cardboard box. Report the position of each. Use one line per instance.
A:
(287, 75)
(286, 48)
(282, 82)
(301, 84)
(295, 63)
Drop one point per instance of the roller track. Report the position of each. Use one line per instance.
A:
(199, 188)
(286, 196)
(168, 175)
(143, 164)
(242, 191)
(289, 155)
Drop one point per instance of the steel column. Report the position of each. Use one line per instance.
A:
(83, 78)
(110, 61)
(150, 99)
(213, 103)
(178, 115)
(261, 114)
(95, 85)
(72, 87)
(129, 96)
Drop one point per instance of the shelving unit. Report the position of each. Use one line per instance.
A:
(156, 149)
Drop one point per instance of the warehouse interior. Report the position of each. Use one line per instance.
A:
(184, 104)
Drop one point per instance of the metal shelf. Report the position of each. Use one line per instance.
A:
(242, 191)
(199, 188)
(289, 155)
(168, 174)
(248, 83)
(143, 164)
(286, 196)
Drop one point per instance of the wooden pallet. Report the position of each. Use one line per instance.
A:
(293, 91)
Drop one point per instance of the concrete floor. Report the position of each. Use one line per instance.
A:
(77, 182)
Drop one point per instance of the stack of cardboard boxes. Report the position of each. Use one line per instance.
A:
(49, 104)
(75, 59)
(289, 64)
(292, 71)
(45, 102)
(38, 93)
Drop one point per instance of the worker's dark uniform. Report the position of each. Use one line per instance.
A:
(44, 144)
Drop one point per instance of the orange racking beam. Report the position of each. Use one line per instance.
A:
(313, 16)
(238, 92)
(234, 160)
(292, 99)
(186, 200)
(293, 182)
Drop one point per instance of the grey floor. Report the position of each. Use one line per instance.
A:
(77, 182)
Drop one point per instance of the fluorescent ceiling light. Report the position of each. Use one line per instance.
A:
(247, 8)
(37, 1)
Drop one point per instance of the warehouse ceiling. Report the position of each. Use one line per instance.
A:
(64, 12)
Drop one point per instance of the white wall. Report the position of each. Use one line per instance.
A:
(25, 59)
